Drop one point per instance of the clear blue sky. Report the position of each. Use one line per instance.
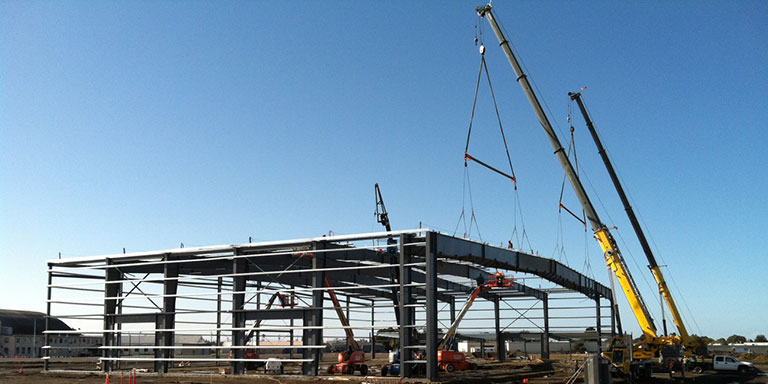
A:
(146, 124)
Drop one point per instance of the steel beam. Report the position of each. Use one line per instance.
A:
(496, 257)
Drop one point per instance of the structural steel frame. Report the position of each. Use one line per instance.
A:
(430, 268)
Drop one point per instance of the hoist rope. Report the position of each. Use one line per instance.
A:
(463, 218)
(467, 156)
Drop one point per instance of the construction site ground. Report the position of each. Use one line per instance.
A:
(556, 370)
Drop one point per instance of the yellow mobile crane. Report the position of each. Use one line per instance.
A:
(632, 360)
(692, 347)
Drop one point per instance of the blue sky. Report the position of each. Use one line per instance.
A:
(146, 124)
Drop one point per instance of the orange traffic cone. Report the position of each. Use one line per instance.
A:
(21, 370)
(107, 382)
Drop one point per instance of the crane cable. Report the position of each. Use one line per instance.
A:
(523, 236)
(463, 218)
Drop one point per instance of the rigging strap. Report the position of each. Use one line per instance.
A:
(484, 67)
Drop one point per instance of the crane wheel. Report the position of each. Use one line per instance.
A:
(449, 367)
(350, 369)
(384, 370)
(364, 370)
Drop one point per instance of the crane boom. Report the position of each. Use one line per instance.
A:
(284, 302)
(343, 319)
(613, 257)
(652, 264)
(383, 218)
(496, 281)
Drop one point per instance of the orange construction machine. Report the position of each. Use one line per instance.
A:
(354, 358)
(448, 358)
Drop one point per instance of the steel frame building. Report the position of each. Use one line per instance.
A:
(221, 292)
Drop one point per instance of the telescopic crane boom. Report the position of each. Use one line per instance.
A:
(495, 281)
(613, 257)
(343, 319)
(652, 264)
(383, 218)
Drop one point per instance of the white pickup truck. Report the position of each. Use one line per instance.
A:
(721, 363)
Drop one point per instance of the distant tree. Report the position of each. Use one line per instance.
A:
(760, 339)
(736, 339)
(702, 339)
(721, 341)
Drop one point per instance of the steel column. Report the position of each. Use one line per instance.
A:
(545, 345)
(291, 333)
(373, 330)
(453, 309)
(167, 319)
(406, 312)
(47, 319)
(431, 306)
(315, 318)
(218, 318)
(598, 324)
(501, 353)
(110, 308)
(238, 317)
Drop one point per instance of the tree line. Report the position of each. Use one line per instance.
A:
(732, 339)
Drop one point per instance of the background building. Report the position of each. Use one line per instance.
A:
(21, 334)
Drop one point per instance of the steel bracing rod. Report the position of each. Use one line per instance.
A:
(613, 256)
(133, 346)
(192, 251)
(207, 277)
(653, 265)
(198, 359)
(227, 257)
(191, 277)
(194, 312)
(188, 295)
(224, 329)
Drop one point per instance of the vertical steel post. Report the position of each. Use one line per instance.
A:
(119, 340)
(373, 330)
(501, 353)
(431, 306)
(598, 323)
(258, 306)
(406, 312)
(47, 340)
(219, 283)
(170, 289)
(110, 305)
(290, 333)
(453, 309)
(238, 317)
(545, 349)
(315, 335)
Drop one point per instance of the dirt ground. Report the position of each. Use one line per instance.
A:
(557, 370)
